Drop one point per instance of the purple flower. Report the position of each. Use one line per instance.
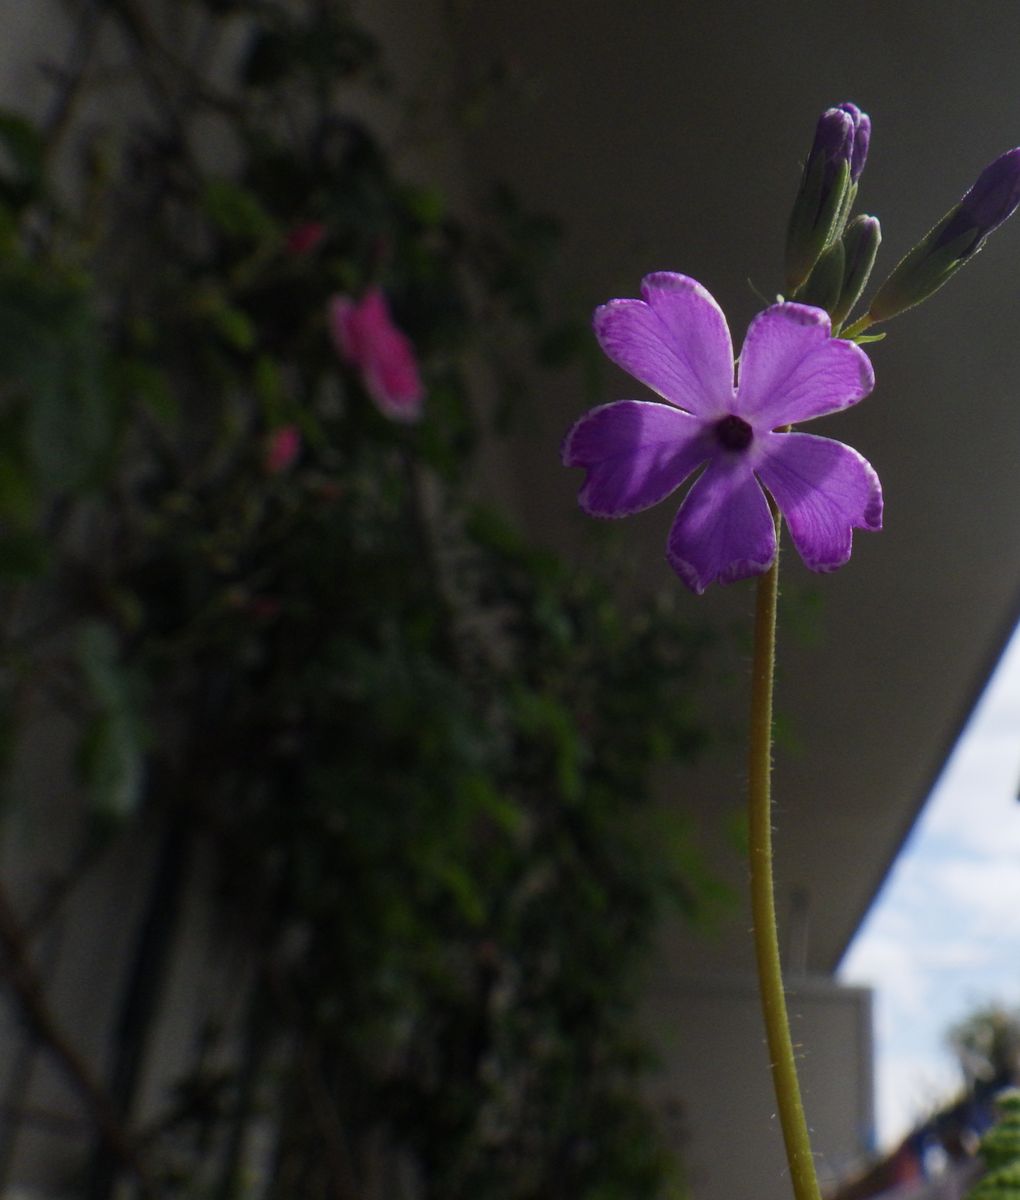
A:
(636, 452)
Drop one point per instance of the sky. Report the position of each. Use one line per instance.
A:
(943, 937)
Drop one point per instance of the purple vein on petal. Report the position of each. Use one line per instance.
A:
(635, 452)
(675, 340)
(824, 490)
(724, 530)
(791, 370)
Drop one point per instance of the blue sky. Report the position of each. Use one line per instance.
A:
(944, 934)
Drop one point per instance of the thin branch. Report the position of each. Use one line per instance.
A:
(35, 1012)
(337, 1158)
(72, 75)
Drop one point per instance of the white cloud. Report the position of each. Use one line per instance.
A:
(989, 890)
(944, 936)
(909, 1089)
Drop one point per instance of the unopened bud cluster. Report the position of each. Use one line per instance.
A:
(829, 257)
(828, 260)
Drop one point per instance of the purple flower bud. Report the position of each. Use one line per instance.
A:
(834, 142)
(827, 189)
(861, 139)
(955, 239)
(819, 209)
(994, 197)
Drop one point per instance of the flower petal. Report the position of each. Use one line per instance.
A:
(675, 340)
(391, 376)
(825, 490)
(343, 328)
(724, 530)
(635, 452)
(792, 370)
(365, 336)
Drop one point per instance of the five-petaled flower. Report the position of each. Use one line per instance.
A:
(365, 336)
(636, 452)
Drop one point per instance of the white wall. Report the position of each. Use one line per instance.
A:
(715, 1077)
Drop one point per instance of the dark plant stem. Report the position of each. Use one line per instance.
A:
(21, 976)
(153, 946)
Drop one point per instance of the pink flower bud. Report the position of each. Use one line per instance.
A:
(305, 238)
(282, 449)
(366, 338)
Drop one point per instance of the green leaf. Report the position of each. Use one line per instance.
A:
(111, 752)
(543, 718)
(69, 425)
(232, 324)
(22, 159)
(138, 382)
(111, 763)
(457, 881)
(235, 327)
(18, 497)
(97, 655)
(237, 212)
(51, 358)
(23, 556)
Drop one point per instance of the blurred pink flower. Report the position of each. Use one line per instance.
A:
(305, 238)
(365, 337)
(282, 448)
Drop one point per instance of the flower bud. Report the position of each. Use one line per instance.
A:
(991, 200)
(283, 446)
(860, 245)
(305, 239)
(366, 338)
(955, 239)
(862, 139)
(825, 283)
(827, 188)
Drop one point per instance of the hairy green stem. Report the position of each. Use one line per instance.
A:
(763, 904)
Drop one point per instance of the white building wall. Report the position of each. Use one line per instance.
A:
(715, 1077)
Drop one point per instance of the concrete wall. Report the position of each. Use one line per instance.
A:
(715, 1077)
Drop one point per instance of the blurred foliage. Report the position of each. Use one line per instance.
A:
(1000, 1151)
(987, 1046)
(420, 748)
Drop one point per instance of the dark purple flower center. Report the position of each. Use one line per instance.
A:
(733, 432)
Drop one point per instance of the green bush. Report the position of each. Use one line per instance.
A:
(420, 748)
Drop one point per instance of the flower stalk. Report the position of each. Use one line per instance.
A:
(763, 905)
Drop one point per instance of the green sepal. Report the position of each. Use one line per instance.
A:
(839, 225)
(923, 270)
(860, 244)
(815, 220)
(825, 283)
